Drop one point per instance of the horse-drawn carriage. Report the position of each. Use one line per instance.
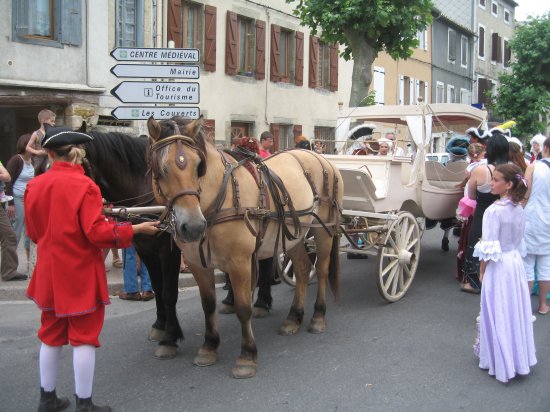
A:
(386, 198)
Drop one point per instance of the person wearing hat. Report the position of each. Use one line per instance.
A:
(457, 147)
(301, 142)
(360, 134)
(478, 135)
(63, 208)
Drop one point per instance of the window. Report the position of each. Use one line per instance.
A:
(496, 48)
(440, 92)
(129, 23)
(240, 129)
(506, 16)
(422, 37)
(506, 53)
(465, 96)
(451, 98)
(494, 9)
(326, 136)
(323, 65)
(484, 87)
(464, 51)
(481, 42)
(245, 46)
(47, 22)
(378, 85)
(192, 25)
(451, 46)
(287, 56)
(482, 4)
(421, 91)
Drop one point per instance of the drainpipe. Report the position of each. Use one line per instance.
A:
(267, 54)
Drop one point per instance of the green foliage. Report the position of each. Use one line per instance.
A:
(389, 25)
(525, 93)
(369, 100)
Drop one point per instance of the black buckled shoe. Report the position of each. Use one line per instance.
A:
(86, 405)
(49, 402)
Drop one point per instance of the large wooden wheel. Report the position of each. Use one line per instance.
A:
(287, 271)
(398, 257)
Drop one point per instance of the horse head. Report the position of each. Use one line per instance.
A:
(177, 159)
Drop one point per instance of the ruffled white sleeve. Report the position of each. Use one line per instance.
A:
(488, 248)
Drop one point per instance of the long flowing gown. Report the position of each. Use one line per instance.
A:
(506, 344)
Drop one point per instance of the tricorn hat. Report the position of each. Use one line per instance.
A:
(361, 130)
(62, 136)
(479, 133)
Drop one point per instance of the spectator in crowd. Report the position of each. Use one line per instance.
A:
(515, 153)
(383, 147)
(320, 147)
(21, 169)
(536, 147)
(302, 142)
(478, 135)
(266, 144)
(8, 246)
(398, 150)
(134, 266)
(537, 226)
(34, 145)
(64, 218)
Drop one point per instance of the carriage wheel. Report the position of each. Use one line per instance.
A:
(287, 271)
(398, 257)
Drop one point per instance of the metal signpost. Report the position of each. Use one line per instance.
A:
(156, 92)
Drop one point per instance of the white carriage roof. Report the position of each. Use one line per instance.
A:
(447, 113)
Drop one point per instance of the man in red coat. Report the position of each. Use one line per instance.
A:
(63, 209)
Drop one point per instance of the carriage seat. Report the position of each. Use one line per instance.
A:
(445, 177)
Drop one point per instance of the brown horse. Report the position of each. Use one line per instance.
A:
(223, 219)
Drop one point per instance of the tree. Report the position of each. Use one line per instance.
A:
(364, 28)
(524, 94)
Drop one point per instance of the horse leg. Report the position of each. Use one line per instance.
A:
(302, 266)
(324, 244)
(245, 365)
(208, 352)
(264, 301)
(170, 260)
(156, 333)
(228, 303)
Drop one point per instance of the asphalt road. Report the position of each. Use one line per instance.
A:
(413, 355)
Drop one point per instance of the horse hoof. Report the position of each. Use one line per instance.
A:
(317, 326)
(289, 328)
(156, 335)
(165, 352)
(226, 309)
(244, 369)
(205, 358)
(259, 313)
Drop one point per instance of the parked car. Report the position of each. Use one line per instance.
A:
(442, 157)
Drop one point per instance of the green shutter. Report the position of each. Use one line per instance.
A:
(71, 22)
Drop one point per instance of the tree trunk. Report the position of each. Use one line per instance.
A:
(363, 55)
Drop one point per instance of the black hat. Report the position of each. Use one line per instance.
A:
(361, 130)
(62, 136)
(479, 133)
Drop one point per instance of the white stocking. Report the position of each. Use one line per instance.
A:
(49, 362)
(84, 365)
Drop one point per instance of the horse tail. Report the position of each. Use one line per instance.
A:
(334, 266)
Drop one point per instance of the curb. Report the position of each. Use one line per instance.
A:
(16, 292)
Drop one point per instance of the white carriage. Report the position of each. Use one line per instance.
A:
(387, 197)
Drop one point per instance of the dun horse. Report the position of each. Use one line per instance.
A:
(225, 218)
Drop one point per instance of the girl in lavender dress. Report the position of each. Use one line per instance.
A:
(505, 345)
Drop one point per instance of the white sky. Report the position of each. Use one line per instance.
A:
(531, 7)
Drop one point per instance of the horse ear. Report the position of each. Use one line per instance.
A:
(83, 127)
(154, 128)
(195, 126)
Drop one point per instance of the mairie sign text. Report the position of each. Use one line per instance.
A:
(169, 71)
(157, 92)
(143, 113)
(156, 55)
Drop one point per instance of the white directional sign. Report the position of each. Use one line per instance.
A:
(157, 92)
(143, 113)
(156, 55)
(171, 71)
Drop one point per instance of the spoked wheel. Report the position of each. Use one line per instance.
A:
(287, 270)
(398, 257)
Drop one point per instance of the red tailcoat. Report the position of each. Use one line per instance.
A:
(63, 215)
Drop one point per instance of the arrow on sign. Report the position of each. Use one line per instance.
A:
(143, 113)
(157, 92)
(171, 71)
(156, 55)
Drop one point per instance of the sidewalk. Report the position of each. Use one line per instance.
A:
(15, 290)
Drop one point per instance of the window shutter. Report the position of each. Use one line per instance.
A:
(174, 22)
(507, 54)
(499, 49)
(274, 130)
(313, 61)
(274, 73)
(333, 75)
(494, 47)
(71, 22)
(299, 63)
(260, 49)
(426, 90)
(401, 90)
(22, 17)
(209, 38)
(452, 45)
(481, 44)
(297, 130)
(231, 44)
(209, 126)
(378, 85)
